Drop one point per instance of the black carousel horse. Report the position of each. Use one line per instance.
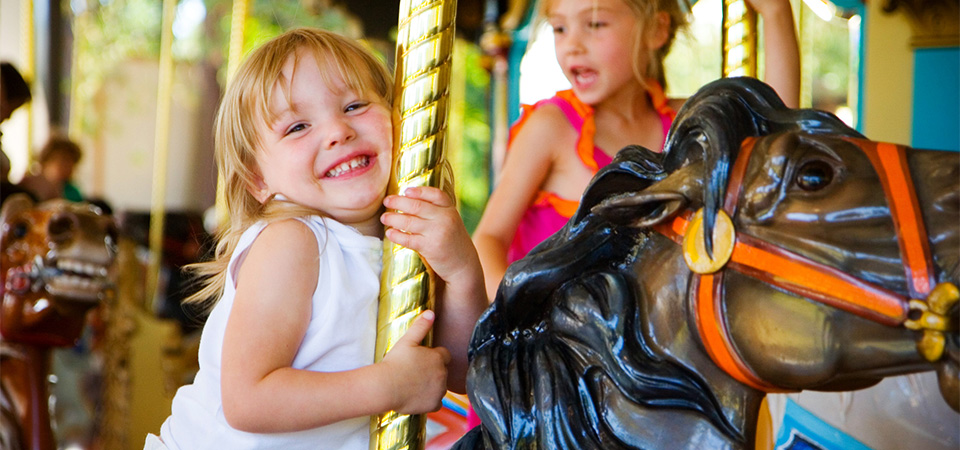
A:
(829, 263)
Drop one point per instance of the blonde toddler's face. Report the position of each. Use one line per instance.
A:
(329, 150)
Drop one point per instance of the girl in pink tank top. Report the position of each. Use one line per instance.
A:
(550, 212)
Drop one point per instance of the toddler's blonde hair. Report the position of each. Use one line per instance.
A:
(245, 109)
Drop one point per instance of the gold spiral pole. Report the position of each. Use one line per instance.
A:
(739, 39)
(425, 38)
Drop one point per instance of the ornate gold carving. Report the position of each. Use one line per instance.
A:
(932, 317)
(935, 23)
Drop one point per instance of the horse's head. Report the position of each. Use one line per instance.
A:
(629, 329)
(55, 266)
(816, 242)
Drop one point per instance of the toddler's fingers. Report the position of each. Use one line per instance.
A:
(444, 354)
(405, 222)
(428, 194)
(406, 205)
(408, 239)
(418, 329)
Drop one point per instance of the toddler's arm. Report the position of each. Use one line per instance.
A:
(430, 224)
(782, 62)
(525, 171)
(260, 390)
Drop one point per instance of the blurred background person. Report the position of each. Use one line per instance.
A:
(51, 177)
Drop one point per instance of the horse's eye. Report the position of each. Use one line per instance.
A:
(814, 175)
(19, 230)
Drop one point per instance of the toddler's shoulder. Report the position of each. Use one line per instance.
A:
(288, 235)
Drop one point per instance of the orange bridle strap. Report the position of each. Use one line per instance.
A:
(807, 278)
(890, 160)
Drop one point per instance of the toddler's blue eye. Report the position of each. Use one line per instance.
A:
(296, 128)
(355, 106)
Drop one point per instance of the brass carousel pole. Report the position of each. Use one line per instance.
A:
(739, 39)
(425, 38)
(161, 147)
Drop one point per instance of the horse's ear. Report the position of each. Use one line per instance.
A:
(640, 209)
(633, 169)
(656, 203)
(13, 205)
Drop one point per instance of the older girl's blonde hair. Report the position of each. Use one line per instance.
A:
(245, 109)
(645, 12)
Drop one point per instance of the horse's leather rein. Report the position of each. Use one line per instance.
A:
(807, 278)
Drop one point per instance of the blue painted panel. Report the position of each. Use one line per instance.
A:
(802, 430)
(936, 98)
(521, 38)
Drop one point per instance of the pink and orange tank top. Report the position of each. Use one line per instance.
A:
(549, 212)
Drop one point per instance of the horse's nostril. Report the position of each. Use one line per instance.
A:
(62, 227)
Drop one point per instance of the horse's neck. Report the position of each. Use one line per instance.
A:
(23, 371)
(672, 325)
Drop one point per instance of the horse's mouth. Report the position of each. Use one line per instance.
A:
(74, 279)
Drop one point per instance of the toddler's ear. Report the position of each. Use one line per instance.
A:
(660, 30)
(259, 190)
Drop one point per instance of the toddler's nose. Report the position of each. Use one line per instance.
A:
(339, 132)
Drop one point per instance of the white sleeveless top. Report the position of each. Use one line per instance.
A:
(341, 336)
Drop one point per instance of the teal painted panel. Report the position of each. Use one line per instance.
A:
(936, 98)
(803, 430)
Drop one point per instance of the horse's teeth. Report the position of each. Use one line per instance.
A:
(90, 269)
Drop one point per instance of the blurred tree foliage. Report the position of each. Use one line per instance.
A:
(470, 131)
(107, 33)
(828, 59)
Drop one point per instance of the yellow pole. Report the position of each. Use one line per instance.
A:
(161, 147)
(425, 38)
(739, 39)
(29, 69)
(238, 21)
(76, 109)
